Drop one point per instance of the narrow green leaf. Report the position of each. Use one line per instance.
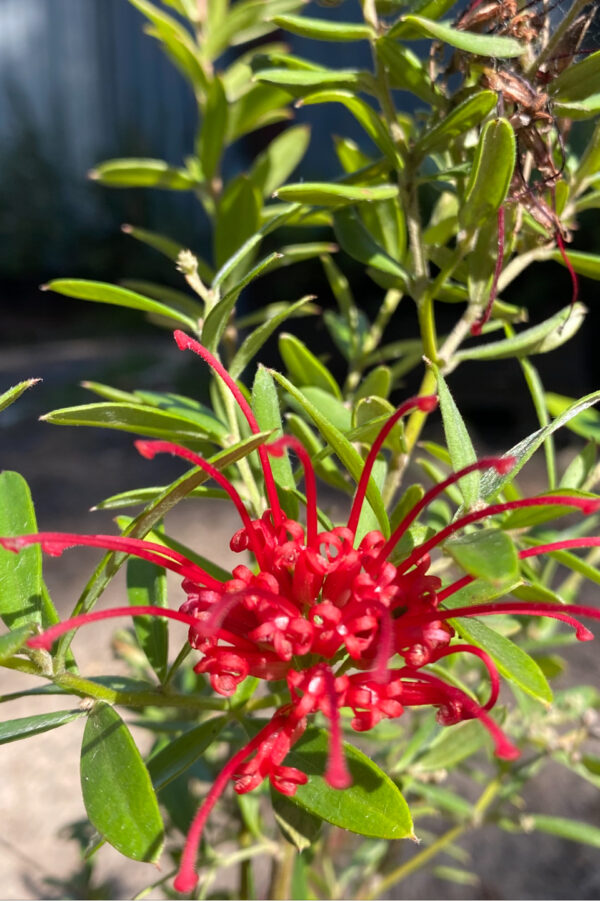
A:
(257, 338)
(172, 297)
(492, 482)
(20, 574)
(406, 72)
(356, 240)
(469, 41)
(179, 755)
(324, 194)
(265, 405)
(373, 805)
(102, 292)
(301, 81)
(13, 730)
(323, 29)
(538, 339)
(14, 393)
(452, 745)
(365, 116)
(142, 173)
(512, 661)
(460, 447)
(214, 128)
(586, 264)
(465, 116)
(117, 792)
(238, 217)
(147, 586)
(277, 162)
(491, 173)
(486, 554)
(14, 641)
(169, 248)
(216, 321)
(573, 830)
(347, 454)
(137, 418)
(299, 827)
(577, 81)
(304, 368)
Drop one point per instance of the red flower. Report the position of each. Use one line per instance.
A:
(316, 606)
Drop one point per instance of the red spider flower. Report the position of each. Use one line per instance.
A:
(335, 618)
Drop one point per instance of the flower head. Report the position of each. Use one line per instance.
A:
(344, 626)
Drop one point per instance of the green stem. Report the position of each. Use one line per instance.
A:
(416, 420)
(282, 874)
(88, 689)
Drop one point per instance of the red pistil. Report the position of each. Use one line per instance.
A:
(426, 404)
(500, 464)
(276, 449)
(47, 638)
(586, 505)
(54, 543)
(184, 342)
(187, 877)
(149, 449)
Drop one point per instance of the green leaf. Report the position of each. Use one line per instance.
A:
(365, 116)
(257, 338)
(172, 297)
(487, 554)
(452, 745)
(356, 240)
(117, 792)
(325, 194)
(102, 292)
(586, 264)
(277, 162)
(171, 249)
(137, 418)
(300, 827)
(265, 405)
(465, 116)
(573, 830)
(304, 368)
(21, 587)
(492, 482)
(586, 424)
(179, 755)
(238, 217)
(147, 586)
(214, 128)
(512, 661)
(460, 447)
(13, 730)
(406, 72)
(142, 173)
(323, 29)
(216, 321)
(538, 339)
(491, 173)
(578, 81)
(347, 454)
(176, 40)
(376, 383)
(302, 81)
(469, 41)
(372, 806)
(14, 393)
(13, 642)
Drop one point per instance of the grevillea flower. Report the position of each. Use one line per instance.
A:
(332, 616)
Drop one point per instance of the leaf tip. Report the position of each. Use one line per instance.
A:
(93, 174)
(45, 286)
(126, 228)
